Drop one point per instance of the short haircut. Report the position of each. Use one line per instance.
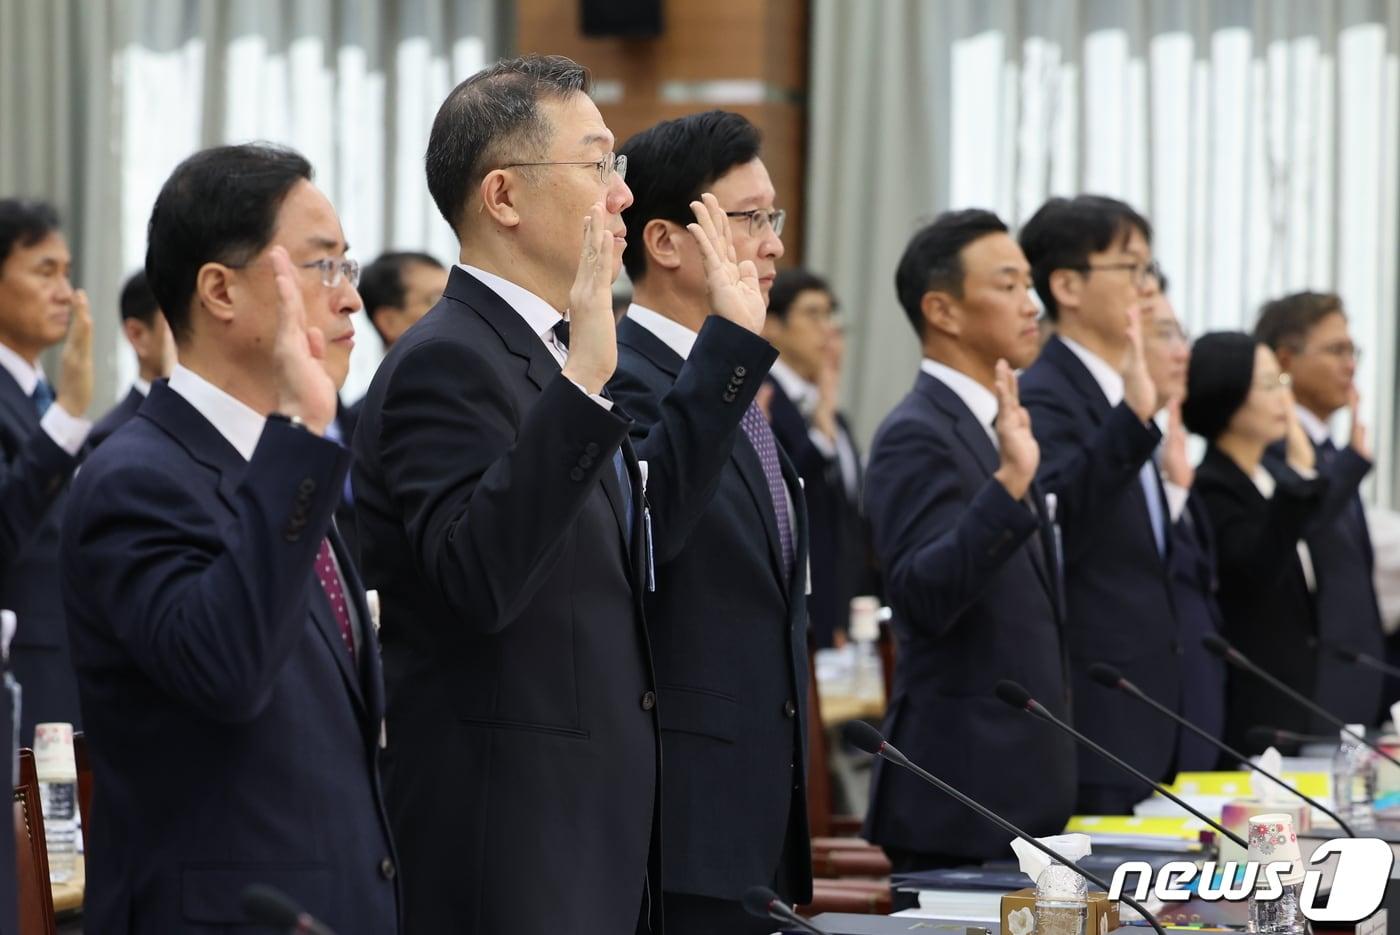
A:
(788, 285)
(491, 117)
(138, 301)
(932, 261)
(1218, 380)
(1285, 322)
(672, 164)
(218, 206)
(23, 223)
(1063, 233)
(381, 282)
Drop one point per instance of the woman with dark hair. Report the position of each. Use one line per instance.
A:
(1239, 401)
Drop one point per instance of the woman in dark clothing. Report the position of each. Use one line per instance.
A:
(1239, 401)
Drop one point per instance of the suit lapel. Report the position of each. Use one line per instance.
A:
(1078, 375)
(515, 334)
(20, 407)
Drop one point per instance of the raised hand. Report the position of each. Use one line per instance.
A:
(74, 390)
(1139, 392)
(1175, 463)
(1020, 453)
(304, 389)
(1359, 442)
(733, 286)
(592, 327)
(1298, 448)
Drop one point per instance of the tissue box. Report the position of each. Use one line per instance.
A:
(1235, 816)
(1103, 915)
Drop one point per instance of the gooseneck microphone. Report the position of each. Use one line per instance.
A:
(864, 737)
(764, 903)
(1347, 654)
(1110, 677)
(273, 908)
(1017, 697)
(1260, 736)
(1239, 660)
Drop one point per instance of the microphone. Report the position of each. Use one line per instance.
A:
(1110, 677)
(1273, 736)
(1239, 660)
(271, 907)
(1347, 654)
(864, 737)
(1016, 696)
(764, 903)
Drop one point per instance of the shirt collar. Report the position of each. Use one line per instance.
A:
(1104, 373)
(975, 396)
(1316, 428)
(237, 422)
(538, 314)
(673, 334)
(801, 391)
(142, 386)
(27, 375)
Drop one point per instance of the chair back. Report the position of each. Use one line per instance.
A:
(31, 853)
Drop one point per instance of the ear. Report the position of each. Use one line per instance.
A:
(213, 290)
(499, 193)
(661, 240)
(1065, 286)
(387, 321)
(1285, 355)
(941, 313)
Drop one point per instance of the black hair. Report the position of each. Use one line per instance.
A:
(932, 260)
(492, 116)
(672, 163)
(218, 206)
(1217, 381)
(1286, 321)
(23, 223)
(138, 301)
(1063, 233)
(381, 282)
(788, 285)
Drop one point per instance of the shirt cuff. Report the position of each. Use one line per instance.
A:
(67, 431)
(600, 400)
(822, 443)
(1176, 498)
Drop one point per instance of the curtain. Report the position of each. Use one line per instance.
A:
(1262, 138)
(100, 99)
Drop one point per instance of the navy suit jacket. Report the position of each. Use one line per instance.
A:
(731, 659)
(1119, 598)
(524, 754)
(116, 417)
(232, 739)
(1195, 584)
(974, 583)
(35, 482)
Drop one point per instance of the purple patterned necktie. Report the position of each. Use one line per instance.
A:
(335, 594)
(760, 435)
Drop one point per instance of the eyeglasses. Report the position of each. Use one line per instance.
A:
(1171, 333)
(1138, 271)
(606, 166)
(332, 270)
(760, 219)
(1342, 350)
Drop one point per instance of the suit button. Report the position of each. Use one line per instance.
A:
(307, 487)
(728, 397)
(576, 474)
(648, 701)
(591, 449)
(741, 371)
(584, 461)
(387, 869)
(789, 708)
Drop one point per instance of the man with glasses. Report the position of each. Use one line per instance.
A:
(729, 614)
(512, 533)
(226, 663)
(1308, 332)
(1092, 403)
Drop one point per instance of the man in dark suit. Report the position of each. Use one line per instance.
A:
(1308, 332)
(146, 330)
(967, 539)
(731, 660)
(505, 523)
(1092, 403)
(223, 646)
(42, 437)
(803, 408)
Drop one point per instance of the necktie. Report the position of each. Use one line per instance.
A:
(1151, 488)
(43, 397)
(1326, 452)
(330, 583)
(760, 435)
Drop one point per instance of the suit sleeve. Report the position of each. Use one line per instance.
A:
(211, 618)
(1259, 544)
(687, 435)
(488, 495)
(941, 544)
(1087, 475)
(1344, 476)
(29, 483)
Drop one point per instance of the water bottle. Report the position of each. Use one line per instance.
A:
(1282, 916)
(1061, 902)
(1354, 780)
(58, 796)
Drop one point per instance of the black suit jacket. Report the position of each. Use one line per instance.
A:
(346, 418)
(233, 741)
(35, 486)
(731, 661)
(974, 583)
(116, 417)
(1269, 614)
(1195, 583)
(1118, 592)
(523, 756)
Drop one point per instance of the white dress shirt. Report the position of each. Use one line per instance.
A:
(981, 401)
(1317, 430)
(806, 395)
(67, 430)
(141, 386)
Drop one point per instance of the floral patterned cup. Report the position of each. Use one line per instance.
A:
(1272, 839)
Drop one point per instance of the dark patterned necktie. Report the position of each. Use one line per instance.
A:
(760, 435)
(43, 397)
(335, 594)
